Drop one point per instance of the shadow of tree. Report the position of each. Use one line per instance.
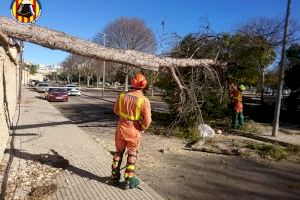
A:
(58, 161)
(40, 125)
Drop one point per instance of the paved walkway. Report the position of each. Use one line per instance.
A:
(289, 138)
(43, 132)
(284, 137)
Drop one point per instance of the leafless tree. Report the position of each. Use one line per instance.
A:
(128, 33)
(68, 66)
(271, 29)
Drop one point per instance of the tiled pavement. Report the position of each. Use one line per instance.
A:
(41, 128)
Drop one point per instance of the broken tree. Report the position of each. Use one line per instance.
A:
(61, 41)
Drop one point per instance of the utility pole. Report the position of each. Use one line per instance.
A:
(281, 73)
(104, 63)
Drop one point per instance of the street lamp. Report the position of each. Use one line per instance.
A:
(103, 73)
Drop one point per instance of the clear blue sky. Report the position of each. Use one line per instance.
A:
(86, 18)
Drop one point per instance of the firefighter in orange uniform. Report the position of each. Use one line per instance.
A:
(237, 98)
(134, 111)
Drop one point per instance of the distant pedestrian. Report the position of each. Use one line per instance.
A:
(134, 111)
(237, 105)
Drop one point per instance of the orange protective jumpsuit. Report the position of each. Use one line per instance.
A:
(237, 114)
(134, 111)
(237, 99)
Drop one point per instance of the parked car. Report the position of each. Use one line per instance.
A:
(33, 83)
(41, 87)
(56, 94)
(73, 90)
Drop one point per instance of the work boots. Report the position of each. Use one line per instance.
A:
(131, 183)
(115, 168)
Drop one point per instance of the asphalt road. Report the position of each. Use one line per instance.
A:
(87, 111)
(91, 110)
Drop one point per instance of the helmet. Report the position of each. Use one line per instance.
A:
(139, 81)
(242, 87)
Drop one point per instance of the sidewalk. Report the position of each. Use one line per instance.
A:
(282, 138)
(45, 139)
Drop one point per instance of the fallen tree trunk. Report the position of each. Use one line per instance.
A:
(61, 41)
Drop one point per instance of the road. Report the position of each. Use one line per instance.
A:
(91, 110)
(110, 96)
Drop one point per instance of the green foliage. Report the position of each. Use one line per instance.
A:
(272, 79)
(293, 149)
(32, 68)
(213, 108)
(62, 76)
(248, 55)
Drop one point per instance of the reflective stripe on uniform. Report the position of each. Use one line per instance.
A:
(138, 111)
(144, 127)
(239, 97)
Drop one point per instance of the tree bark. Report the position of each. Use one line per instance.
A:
(59, 40)
(262, 89)
(126, 82)
(98, 80)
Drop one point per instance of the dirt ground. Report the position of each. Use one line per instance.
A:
(179, 174)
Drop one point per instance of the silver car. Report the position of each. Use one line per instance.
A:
(73, 90)
(41, 87)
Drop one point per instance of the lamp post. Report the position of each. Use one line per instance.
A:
(104, 63)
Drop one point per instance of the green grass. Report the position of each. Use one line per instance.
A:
(293, 149)
(269, 151)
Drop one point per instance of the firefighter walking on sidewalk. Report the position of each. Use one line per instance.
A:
(134, 111)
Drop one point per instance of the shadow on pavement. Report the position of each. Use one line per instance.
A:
(39, 97)
(58, 161)
(24, 134)
(40, 125)
(89, 115)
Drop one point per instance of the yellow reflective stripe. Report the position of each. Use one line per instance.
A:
(121, 98)
(122, 114)
(137, 116)
(239, 97)
(130, 168)
(139, 108)
(144, 127)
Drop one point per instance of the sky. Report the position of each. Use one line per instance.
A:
(85, 18)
